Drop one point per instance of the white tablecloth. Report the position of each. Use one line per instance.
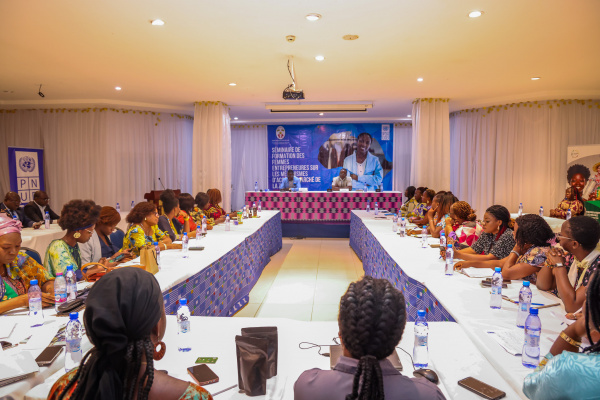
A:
(39, 239)
(466, 300)
(555, 223)
(452, 355)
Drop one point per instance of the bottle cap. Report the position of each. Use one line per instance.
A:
(33, 282)
(421, 313)
(533, 311)
(59, 274)
(498, 269)
(526, 283)
(183, 302)
(424, 226)
(228, 215)
(73, 316)
(155, 243)
(184, 233)
(442, 234)
(69, 268)
(449, 246)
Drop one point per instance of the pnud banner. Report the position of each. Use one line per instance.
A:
(26, 171)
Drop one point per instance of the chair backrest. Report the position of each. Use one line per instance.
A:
(117, 238)
(33, 254)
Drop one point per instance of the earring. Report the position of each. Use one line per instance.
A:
(145, 219)
(77, 235)
(158, 355)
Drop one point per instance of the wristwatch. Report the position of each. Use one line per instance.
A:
(558, 265)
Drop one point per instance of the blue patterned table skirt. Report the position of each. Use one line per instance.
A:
(378, 264)
(223, 288)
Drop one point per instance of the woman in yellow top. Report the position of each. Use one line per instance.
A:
(144, 229)
(411, 203)
(202, 202)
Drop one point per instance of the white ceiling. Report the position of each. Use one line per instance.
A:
(80, 50)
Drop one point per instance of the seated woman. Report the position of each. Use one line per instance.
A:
(495, 242)
(100, 247)
(420, 212)
(438, 217)
(579, 236)
(463, 222)
(125, 321)
(419, 199)
(214, 210)
(17, 269)
(565, 372)
(572, 201)
(411, 203)
(202, 203)
(533, 236)
(170, 206)
(186, 205)
(78, 218)
(371, 321)
(144, 229)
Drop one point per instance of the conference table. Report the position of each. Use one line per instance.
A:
(419, 273)
(39, 239)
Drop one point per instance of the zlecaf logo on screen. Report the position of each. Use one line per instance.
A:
(280, 132)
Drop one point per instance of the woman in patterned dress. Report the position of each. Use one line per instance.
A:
(144, 229)
(572, 201)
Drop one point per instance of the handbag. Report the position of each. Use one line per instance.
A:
(93, 277)
(148, 259)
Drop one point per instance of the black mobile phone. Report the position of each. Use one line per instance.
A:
(203, 375)
(482, 389)
(48, 356)
(117, 258)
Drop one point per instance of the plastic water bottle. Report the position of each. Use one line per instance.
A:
(376, 209)
(496, 299)
(60, 291)
(259, 206)
(531, 348)
(157, 249)
(204, 225)
(73, 335)
(184, 335)
(132, 203)
(541, 211)
(568, 214)
(47, 220)
(185, 245)
(198, 233)
(36, 315)
(524, 304)
(118, 208)
(395, 223)
(450, 260)
(71, 280)
(520, 209)
(368, 206)
(424, 240)
(227, 223)
(443, 243)
(402, 227)
(256, 186)
(420, 351)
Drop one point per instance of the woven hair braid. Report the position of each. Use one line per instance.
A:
(463, 210)
(592, 311)
(372, 319)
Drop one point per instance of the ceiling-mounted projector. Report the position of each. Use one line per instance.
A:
(290, 92)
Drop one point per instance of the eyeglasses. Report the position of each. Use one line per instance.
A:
(88, 231)
(563, 237)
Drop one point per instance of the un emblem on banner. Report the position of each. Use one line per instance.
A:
(27, 164)
(280, 132)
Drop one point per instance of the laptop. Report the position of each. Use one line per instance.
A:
(335, 353)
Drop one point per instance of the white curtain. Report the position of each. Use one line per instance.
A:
(518, 152)
(211, 154)
(102, 154)
(430, 164)
(249, 160)
(402, 156)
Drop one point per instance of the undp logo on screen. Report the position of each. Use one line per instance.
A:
(280, 132)
(27, 164)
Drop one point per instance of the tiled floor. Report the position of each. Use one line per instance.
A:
(305, 280)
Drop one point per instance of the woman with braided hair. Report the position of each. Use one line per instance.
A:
(125, 321)
(463, 222)
(371, 322)
(565, 373)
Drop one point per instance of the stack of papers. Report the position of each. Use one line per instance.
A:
(510, 340)
(477, 272)
(16, 367)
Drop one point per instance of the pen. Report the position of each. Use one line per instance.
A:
(224, 390)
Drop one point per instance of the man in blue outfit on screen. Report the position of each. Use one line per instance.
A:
(292, 183)
(364, 168)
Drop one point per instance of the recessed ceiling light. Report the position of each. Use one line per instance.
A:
(319, 58)
(232, 84)
(235, 118)
(350, 37)
(321, 114)
(117, 88)
(419, 79)
(408, 115)
(313, 17)
(536, 78)
(157, 22)
(475, 14)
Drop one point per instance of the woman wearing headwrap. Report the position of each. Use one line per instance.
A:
(78, 218)
(125, 321)
(17, 269)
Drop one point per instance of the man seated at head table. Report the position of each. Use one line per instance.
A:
(11, 207)
(291, 184)
(343, 181)
(36, 209)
